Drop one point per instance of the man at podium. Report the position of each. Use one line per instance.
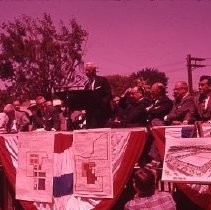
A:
(98, 116)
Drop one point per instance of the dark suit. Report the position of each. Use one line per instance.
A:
(98, 115)
(17, 121)
(182, 110)
(135, 114)
(47, 118)
(202, 113)
(158, 110)
(156, 113)
(22, 121)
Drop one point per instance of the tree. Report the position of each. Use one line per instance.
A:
(36, 56)
(149, 76)
(118, 84)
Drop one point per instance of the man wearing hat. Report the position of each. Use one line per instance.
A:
(98, 115)
(45, 116)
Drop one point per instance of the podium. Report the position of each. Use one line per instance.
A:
(87, 100)
(80, 99)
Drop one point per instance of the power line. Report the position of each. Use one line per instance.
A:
(175, 70)
(171, 64)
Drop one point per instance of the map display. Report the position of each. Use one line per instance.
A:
(93, 163)
(34, 178)
(188, 160)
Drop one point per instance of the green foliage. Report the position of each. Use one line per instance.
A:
(147, 77)
(150, 76)
(119, 84)
(36, 56)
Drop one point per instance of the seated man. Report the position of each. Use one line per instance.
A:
(146, 197)
(17, 120)
(203, 99)
(161, 106)
(3, 122)
(135, 113)
(115, 106)
(183, 106)
(45, 116)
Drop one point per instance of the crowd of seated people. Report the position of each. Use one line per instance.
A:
(159, 109)
(138, 106)
(41, 115)
(182, 110)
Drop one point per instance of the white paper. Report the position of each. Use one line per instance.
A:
(187, 160)
(93, 163)
(34, 178)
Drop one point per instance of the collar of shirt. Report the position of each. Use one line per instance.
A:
(206, 102)
(187, 94)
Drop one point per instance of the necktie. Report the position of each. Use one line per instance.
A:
(90, 84)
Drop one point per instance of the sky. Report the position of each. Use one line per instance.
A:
(126, 36)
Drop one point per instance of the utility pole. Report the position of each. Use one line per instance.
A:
(191, 64)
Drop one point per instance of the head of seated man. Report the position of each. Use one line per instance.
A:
(158, 90)
(137, 93)
(205, 85)
(16, 104)
(180, 90)
(40, 101)
(10, 111)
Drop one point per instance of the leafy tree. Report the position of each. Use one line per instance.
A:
(119, 84)
(36, 56)
(149, 76)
